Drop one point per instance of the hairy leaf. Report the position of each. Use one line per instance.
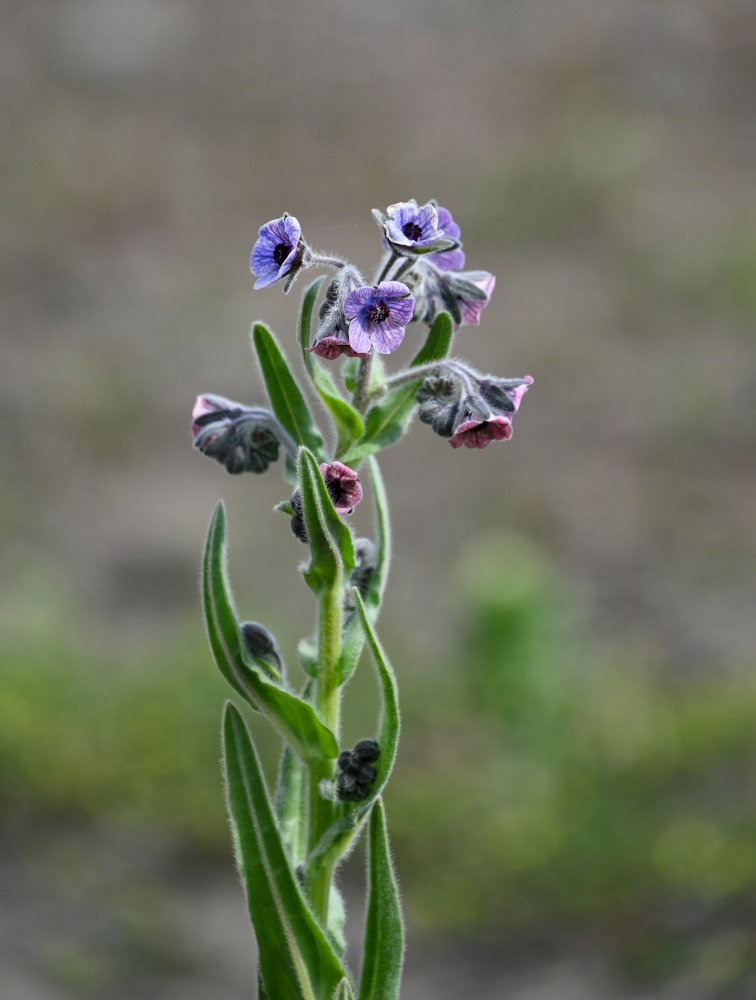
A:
(331, 548)
(286, 398)
(383, 950)
(293, 717)
(297, 961)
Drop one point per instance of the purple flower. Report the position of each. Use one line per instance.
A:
(238, 437)
(343, 486)
(475, 433)
(411, 226)
(278, 251)
(475, 427)
(410, 229)
(448, 260)
(333, 345)
(470, 307)
(378, 316)
(505, 394)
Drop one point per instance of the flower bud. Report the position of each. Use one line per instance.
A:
(298, 526)
(368, 751)
(356, 772)
(364, 558)
(438, 403)
(347, 760)
(238, 437)
(261, 645)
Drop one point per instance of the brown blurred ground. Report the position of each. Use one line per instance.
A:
(599, 156)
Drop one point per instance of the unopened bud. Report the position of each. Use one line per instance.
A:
(298, 526)
(261, 644)
(368, 751)
(438, 403)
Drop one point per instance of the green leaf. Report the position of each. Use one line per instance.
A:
(338, 836)
(386, 420)
(336, 921)
(347, 420)
(291, 805)
(296, 960)
(353, 641)
(383, 950)
(308, 655)
(294, 718)
(344, 991)
(286, 398)
(331, 548)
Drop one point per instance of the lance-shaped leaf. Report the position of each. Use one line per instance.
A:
(383, 951)
(354, 635)
(293, 717)
(344, 991)
(286, 398)
(296, 960)
(331, 548)
(339, 835)
(386, 419)
(348, 421)
(291, 805)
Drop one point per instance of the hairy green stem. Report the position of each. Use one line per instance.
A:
(360, 397)
(327, 704)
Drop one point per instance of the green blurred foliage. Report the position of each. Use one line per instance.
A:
(541, 779)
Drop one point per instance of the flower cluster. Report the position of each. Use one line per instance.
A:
(420, 277)
(356, 771)
(470, 409)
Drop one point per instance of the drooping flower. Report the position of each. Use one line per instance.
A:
(505, 394)
(470, 304)
(475, 433)
(239, 437)
(410, 229)
(454, 259)
(378, 315)
(277, 252)
(343, 486)
(474, 429)
(333, 345)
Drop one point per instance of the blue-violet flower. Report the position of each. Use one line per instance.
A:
(278, 250)
(378, 315)
(448, 260)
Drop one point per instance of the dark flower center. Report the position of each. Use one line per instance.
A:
(281, 252)
(377, 312)
(412, 231)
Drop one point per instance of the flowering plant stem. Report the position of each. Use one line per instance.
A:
(289, 844)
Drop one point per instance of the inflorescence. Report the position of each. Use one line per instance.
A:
(420, 276)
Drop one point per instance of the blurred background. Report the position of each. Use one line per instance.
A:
(571, 615)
